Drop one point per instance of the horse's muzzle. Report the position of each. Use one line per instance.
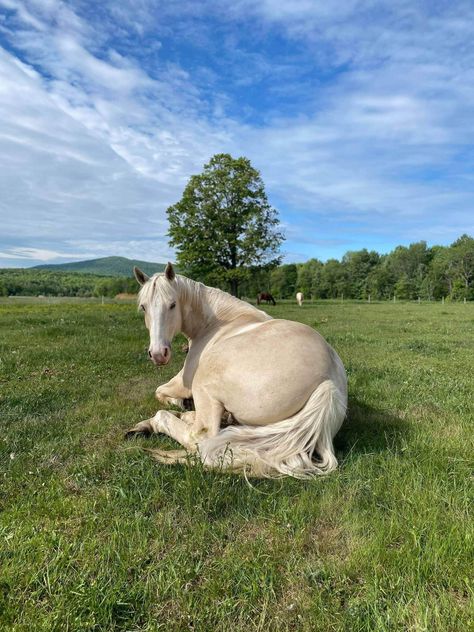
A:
(161, 357)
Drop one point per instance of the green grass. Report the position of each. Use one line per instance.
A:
(94, 535)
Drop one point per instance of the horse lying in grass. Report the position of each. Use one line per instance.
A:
(280, 380)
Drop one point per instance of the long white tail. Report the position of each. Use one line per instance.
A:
(284, 448)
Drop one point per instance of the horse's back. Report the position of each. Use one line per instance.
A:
(266, 371)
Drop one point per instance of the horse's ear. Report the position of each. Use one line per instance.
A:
(140, 276)
(169, 272)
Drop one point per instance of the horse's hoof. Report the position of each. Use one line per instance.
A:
(188, 403)
(137, 433)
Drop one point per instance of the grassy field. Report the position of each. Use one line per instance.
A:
(94, 535)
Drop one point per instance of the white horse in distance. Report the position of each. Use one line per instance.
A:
(299, 298)
(284, 386)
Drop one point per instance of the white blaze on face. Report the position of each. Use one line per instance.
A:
(164, 320)
(159, 300)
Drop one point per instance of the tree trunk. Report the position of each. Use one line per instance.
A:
(234, 286)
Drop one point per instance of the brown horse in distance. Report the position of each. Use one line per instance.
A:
(265, 296)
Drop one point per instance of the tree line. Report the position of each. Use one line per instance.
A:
(30, 282)
(407, 273)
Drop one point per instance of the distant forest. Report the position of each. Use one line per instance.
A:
(408, 273)
(34, 282)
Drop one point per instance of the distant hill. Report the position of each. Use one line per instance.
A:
(105, 266)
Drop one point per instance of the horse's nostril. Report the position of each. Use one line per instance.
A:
(149, 353)
(166, 351)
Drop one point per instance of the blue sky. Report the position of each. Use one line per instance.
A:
(358, 113)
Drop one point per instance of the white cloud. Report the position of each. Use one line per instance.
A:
(37, 254)
(80, 160)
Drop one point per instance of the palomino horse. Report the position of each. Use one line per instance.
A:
(299, 298)
(265, 296)
(282, 383)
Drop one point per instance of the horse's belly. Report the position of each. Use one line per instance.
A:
(265, 405)
(267, 374)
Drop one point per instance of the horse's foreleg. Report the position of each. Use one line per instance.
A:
(182, 429)
(141, 428)
(173, 392)
(178, 426)
(189, 429)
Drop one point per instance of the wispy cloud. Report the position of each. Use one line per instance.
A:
(36, 254)
(359, 116)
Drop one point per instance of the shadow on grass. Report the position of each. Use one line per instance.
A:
(368, 429)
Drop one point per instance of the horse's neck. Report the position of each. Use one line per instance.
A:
(206, 309)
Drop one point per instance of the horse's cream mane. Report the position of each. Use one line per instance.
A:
(207, 302)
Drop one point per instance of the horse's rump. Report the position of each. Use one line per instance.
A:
(266, 372)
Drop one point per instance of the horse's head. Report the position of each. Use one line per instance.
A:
(158, 299)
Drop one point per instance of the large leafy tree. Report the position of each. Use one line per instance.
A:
(224, 225)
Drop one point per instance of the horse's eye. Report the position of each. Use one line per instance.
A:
(142, 307)
(173, 305)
